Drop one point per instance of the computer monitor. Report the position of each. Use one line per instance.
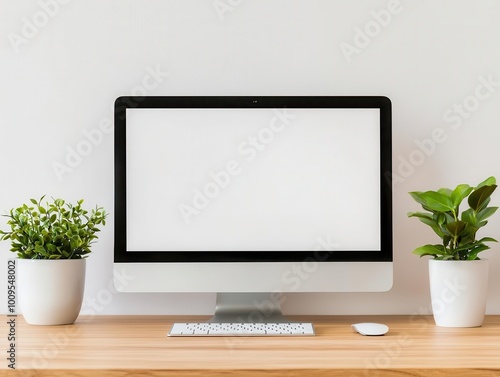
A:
(250, 197)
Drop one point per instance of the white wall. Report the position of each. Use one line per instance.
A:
(59, 81)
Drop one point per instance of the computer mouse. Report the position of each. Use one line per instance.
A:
(370, 328)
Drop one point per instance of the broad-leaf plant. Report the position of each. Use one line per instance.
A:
(457, 229)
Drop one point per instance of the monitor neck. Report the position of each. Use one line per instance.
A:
(248, 307)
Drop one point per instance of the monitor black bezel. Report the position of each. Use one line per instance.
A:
(121, 255)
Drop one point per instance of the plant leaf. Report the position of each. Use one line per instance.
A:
(480, 197)
(460, 193)
(485, 213)
(429, 220)
(433, 250)
(469, 216)
(487, 239)
(456, 228)
(472, 255)
(490, 181)
(436, 201)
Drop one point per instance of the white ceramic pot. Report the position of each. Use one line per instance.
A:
(50, 292)
(458, 292)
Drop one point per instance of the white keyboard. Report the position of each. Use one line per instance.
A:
(242, 329)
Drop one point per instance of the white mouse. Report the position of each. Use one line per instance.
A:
(369, 328)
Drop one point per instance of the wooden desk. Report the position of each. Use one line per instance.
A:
(138, 346)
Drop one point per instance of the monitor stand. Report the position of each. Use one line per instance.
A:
(248, 308)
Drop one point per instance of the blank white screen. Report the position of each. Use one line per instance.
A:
(252, 179)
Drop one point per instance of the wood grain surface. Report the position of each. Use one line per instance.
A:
(138, 346)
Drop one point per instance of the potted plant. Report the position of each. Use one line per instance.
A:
(458, 277)
(51, 240)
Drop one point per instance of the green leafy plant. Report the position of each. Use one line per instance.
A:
(457, 230)
(56, 230)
